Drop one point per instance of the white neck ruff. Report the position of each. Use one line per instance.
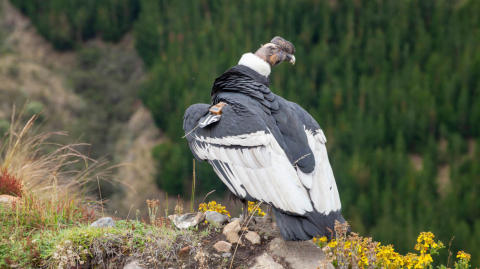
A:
(256, 63)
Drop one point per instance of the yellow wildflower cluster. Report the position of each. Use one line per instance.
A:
(320, 241)
(354, 251)
(213, 206)
(463, 262)
(251, 208)
(464, 256)
(425, 241)
(388, 258)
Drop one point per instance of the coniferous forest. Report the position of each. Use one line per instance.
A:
(394, 84)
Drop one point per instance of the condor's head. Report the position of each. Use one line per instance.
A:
(269, 55)
(277, 51)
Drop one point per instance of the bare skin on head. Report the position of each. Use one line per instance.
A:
(277, 51)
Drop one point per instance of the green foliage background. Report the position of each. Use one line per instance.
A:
(386, 80)
(66, 23)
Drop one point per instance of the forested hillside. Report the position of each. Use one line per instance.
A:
(394, 84)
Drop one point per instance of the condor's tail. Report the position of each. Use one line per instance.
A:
(306, 227)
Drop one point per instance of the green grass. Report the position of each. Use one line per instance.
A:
(24, 245)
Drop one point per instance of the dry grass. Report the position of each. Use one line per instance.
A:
(50, 189)
(47, 170)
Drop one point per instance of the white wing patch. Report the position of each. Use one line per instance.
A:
(260, 168)
(259, 138)
(323, 189)
(263, 170)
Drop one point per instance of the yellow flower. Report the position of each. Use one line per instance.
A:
(464, 256)
(387, 257)
(258, 211)
(323, 239)
(363, 262)
(213, 206)
(423, 261)
(332, 244)
(410, 260)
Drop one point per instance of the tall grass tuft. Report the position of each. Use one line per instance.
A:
(42, 174)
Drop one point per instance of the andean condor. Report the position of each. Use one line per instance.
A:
(265, 148)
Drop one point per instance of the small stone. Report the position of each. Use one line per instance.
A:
(217, 217)
(188, 220)
(232, 227)
(266, 261)
(254, 238)
(222, 246)
(226, 255)
(133, 265)
(185, 250)
(233, 238)
(9, 200)
(103, 223)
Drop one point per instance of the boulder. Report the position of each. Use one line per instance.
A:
(217, 217)
(222, 246)
(254, 238)
(232, 227)
(187, 220)
(103, 223)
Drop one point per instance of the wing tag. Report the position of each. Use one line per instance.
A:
(214, 115)
(217, 109)
(209, 119)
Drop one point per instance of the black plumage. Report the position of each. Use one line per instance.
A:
(242, 149)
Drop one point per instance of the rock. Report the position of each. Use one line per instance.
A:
(226, 255)
(217, 217)
(266, 261)
(222, 246)
(233, 238)
(299, 254)
(103, 223)
(133, 265)
(9, 200)
(254, 238)
(185, 250)
(232, 227)
(188, 220)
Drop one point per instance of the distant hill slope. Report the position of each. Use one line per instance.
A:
(91, 93)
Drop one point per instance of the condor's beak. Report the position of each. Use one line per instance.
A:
(290, 58)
